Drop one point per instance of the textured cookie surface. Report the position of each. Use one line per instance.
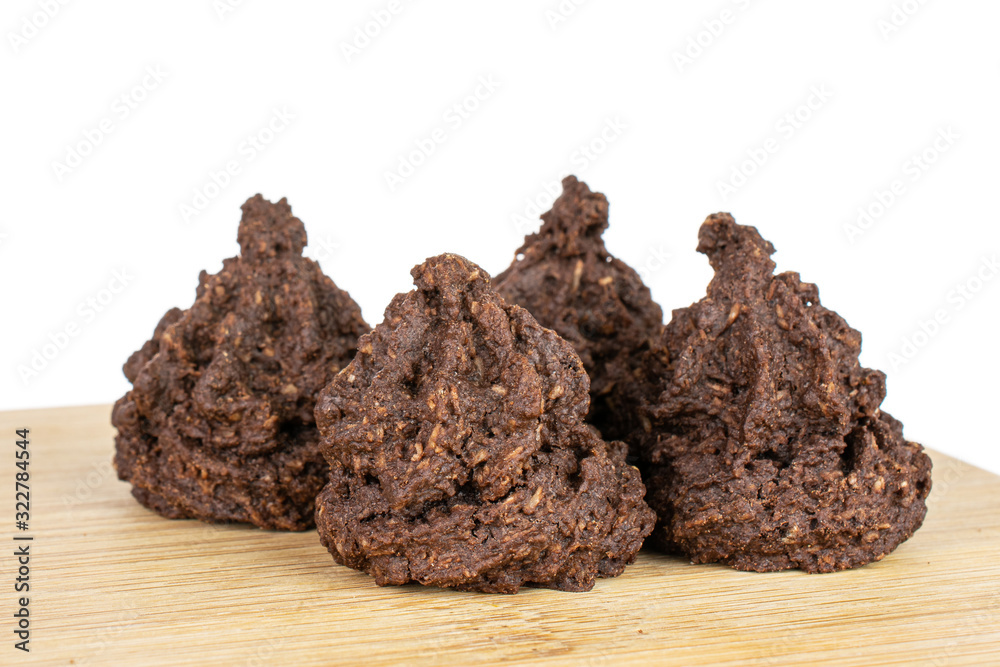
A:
(458, 452)
(219, 424)
(565, 277)
(767, 447)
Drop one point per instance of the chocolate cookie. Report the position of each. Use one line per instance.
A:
(219, 424)
(767, 447)
(458, 452)
(565, 277)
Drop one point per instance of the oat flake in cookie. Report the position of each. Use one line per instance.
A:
(459, 456)
(219, 423)
(570, 283)
(768, 449)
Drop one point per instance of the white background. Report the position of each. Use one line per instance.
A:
(891, 80)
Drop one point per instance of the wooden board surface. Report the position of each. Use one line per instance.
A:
(112, 583)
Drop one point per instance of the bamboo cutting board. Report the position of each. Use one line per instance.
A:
(112, 583)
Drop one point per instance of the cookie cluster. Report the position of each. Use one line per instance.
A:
(483, 435)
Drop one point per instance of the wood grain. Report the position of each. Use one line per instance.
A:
(112, 583)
